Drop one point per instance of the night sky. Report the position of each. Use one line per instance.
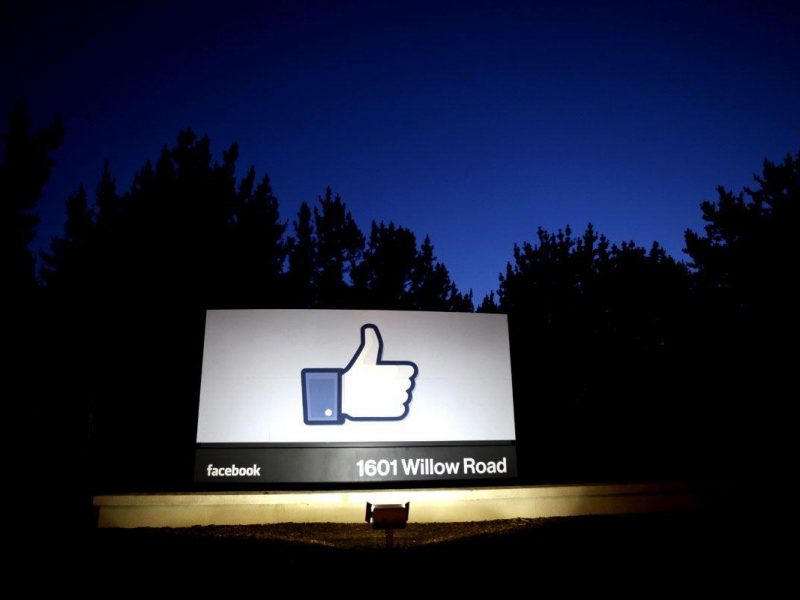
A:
(474, 122)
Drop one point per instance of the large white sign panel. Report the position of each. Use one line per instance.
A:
(311, 376)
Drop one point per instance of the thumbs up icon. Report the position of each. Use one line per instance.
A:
(367, 389)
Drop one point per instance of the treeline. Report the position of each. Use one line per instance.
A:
(187, 230)
(627, 363)
(113, 328)
(630, 364)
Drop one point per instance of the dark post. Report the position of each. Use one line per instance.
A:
(388, 517)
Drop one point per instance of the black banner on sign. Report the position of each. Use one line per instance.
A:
(354, 464)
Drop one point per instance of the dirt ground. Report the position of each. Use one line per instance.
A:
(630, 555)
(357, 536)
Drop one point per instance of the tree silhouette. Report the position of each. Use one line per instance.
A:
(432, 288)
(258, 246)
(109, 205)
(746, 306)
(747, 254)
(24, 171)
(28, 339)
(395, 274)
(70, 257)
(592, 323)
(339, 246)
(385, 276)
(133, 273)
(188, 232)
(302, 261)
(130, 281)
(488, 304)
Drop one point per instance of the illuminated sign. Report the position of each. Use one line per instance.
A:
(317, 395)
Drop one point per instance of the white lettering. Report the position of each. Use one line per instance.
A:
(427, 466)
(452, 468)
(233, 471)
(476, 467)
(410, 465)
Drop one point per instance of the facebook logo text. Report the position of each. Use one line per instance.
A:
(233, 471)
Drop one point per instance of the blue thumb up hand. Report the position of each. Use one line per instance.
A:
(367, 389)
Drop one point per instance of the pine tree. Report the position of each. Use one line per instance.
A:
(259, 246)
(302, 260)
(70, 258)
(109, 203)
(747, 255)
(432, 288)
(385, 276)
(339, 247)
(24, 171)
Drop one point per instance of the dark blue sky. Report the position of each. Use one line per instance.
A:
(474, 122)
